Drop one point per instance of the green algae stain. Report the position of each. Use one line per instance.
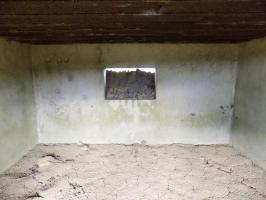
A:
(147, 112)
(196, 121)
(117, 113)
(206, 120)
(145, 108)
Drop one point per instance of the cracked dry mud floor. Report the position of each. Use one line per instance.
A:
(133, 172)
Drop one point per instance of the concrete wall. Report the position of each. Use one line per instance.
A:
(195, 95)
(249, 129)
(17, 108)
(195, 90)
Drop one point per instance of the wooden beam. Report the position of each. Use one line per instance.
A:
(93, 19)
(52, 21)
(128, 39)
(29, 7)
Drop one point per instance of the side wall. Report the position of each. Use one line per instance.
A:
(17, 108)
(249, 129)
(195, 87)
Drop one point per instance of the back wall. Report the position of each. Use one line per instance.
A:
(195, 90)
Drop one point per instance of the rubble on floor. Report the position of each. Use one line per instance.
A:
(130, 172)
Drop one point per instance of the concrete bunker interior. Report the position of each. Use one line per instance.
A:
(194, 130)
(209, 108)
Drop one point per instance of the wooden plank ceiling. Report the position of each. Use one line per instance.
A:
(98, 21)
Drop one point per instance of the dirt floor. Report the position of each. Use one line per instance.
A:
(133, 172)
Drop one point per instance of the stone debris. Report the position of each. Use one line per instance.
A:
(34, 196)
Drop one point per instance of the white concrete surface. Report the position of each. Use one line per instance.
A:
(17, 107)
(195, 90)
(249, 130)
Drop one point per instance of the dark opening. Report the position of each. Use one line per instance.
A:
(130, 84)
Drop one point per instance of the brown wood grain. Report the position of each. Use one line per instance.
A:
(67, 21)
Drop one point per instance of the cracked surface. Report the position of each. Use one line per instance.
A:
(131, 172)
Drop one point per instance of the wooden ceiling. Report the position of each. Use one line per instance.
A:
(109, 21)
